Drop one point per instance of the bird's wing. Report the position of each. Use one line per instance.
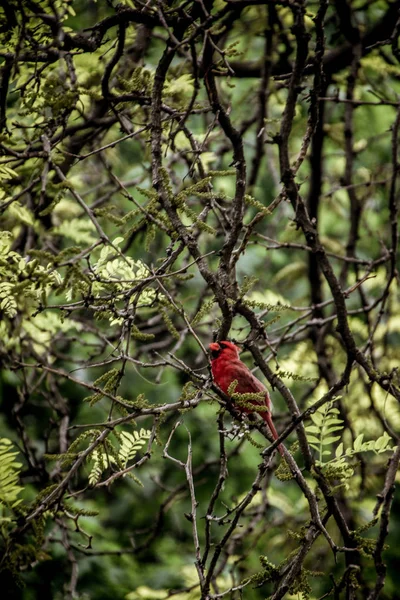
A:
(248, 383)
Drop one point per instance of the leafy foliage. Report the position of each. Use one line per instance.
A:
(130, 444)
(321, 436)
(9, 476)
(326, 422)
(176, 173)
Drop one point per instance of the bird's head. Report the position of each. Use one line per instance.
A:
(226, 349)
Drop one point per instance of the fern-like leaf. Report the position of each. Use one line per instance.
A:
(322, 432)
(131, 443)
(9, 475)
(100, 462)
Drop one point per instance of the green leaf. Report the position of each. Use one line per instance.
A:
(330, 440)
(334, 421)
(382, 442)
(366, 446)
(312, 429)
(339, 450)
(313, 439)
(9, 474)
(314, 446)
(131, 444)
(327, 430)
(317, 418)
(358, 442)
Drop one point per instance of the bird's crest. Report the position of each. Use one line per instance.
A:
(217, 348)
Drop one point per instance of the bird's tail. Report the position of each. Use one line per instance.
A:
(268, 419)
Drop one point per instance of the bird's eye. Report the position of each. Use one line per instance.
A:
(216, 353)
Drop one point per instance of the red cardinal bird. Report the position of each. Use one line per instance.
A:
(227, 367)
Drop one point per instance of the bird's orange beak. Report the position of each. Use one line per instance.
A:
(214, 346)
